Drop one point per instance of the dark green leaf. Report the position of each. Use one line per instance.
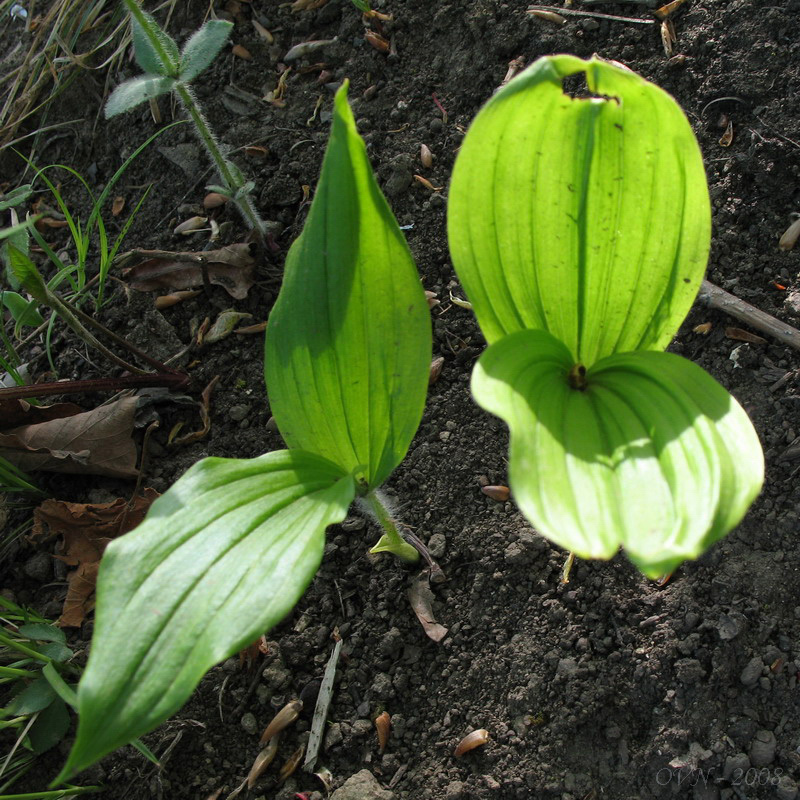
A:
(34, 697)
(51, 726)
(220, 558)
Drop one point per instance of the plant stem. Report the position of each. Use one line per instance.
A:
(243, 200)
(22, 648)
(391, 541)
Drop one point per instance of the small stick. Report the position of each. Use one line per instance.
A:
(576, 13)
(171, 380)
(719, 299)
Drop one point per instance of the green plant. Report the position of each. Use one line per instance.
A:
(577, 297)
(167, 69)
(34, 658)
(580, 228)
(229, 549)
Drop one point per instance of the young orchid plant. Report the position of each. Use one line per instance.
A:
(228, 551)
(168, 69)
(580, 230)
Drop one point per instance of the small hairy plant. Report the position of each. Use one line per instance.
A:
(580, 228)
(227, 552)
(168, 69)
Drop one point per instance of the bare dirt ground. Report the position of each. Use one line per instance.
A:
(606, 687)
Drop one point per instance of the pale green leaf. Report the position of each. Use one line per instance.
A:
(349, 341)
(135, 91)
(223, 556)
(23, 311)
(155, 51)
(203, 47)
(586, 217)
(652, 455)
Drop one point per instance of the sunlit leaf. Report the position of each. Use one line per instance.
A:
(585, 216)
(349, 341)
(220, 558)
(650, 454)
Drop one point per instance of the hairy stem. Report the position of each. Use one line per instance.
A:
(244, 202)
(391, 540)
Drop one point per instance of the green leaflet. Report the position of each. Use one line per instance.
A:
(653, 455)
(349, 341)
(135, 91)
(220, 558)
(588, 218)
(203, 47)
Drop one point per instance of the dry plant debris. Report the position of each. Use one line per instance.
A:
(86, 529)
(97, 442)
(230, 267)
(421, 598)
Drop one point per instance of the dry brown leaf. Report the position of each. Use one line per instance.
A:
(86, 528)
(421, 599)
(744, 336)
(96, 442)
(117, 205)
(14, 413)
(205, 416)
(230, 267)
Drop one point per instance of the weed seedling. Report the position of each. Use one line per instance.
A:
(168, 69)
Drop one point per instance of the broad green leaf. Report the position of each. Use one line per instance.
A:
(587, 217)
(155, 50)
(25, 271)
(653, 454)
(221, 557)
(43, 633)
(203, 47)
(349, 341)
(23, 311)
(50, 727)
(34, 697)
(135, 91)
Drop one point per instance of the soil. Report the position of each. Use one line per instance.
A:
(608, 686)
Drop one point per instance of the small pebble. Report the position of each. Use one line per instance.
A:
(786, 789)
(762, 749)
(752, 672)
(39, 567)
(249, 723)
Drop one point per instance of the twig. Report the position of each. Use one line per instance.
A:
(321, 710)
(719, 299)
(172, 380)
(576, 13)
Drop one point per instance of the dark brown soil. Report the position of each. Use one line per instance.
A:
(607, 687)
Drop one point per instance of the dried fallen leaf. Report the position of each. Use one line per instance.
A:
(703, 328)
(86, 528)
(421, 599)
(117, 205)
(14, 413)
(291, 764)
(241, 52)
(744, 336)
(790, 236)
(230, 267)
(727, 137)
(205, 416)
(96, 442)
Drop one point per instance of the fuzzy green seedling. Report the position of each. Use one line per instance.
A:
(168, 69)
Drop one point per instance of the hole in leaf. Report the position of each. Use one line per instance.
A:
(576, 377)
(575, 86)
